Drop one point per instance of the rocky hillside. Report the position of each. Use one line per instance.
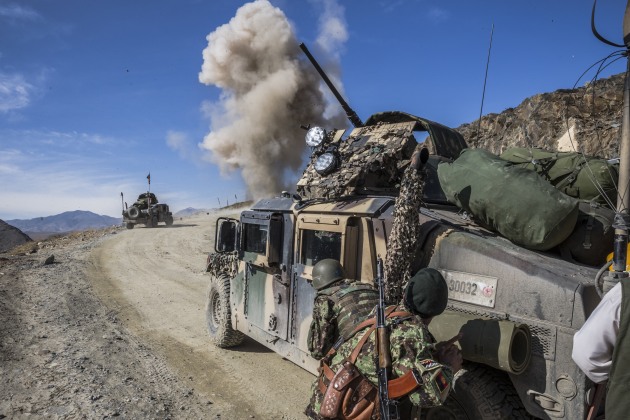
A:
(11, 237)
(65, 222)
(586, 119)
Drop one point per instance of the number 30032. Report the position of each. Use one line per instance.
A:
(466, 287)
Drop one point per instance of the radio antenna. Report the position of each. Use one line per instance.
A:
(485, 79)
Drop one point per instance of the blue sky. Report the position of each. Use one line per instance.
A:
(96, 94)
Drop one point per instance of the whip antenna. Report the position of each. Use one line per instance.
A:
(485, 79)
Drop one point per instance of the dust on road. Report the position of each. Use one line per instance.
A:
(155, 278)
(115, 328)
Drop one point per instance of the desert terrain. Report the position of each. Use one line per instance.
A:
(115, 328)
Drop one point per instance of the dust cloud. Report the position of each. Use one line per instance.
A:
(268, 89)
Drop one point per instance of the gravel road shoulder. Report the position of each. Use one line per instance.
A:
(115, 328)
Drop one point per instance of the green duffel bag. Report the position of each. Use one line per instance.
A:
(584, 177)
(592, 238)
(513, 201)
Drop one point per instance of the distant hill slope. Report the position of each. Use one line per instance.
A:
(65, 222)
(189, 211)
(586, 119)
(10, 236)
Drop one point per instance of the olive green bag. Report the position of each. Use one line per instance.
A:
(593, 236)
(513, 201)
(577, 175)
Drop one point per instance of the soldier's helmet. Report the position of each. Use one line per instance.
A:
(327, 272)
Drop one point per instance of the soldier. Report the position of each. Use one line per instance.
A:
(340, 305)
(600, 348)
(412, 348)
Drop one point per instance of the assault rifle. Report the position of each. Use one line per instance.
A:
(389, 408)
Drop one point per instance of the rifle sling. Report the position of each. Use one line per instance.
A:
(389, 313)
(398, 387)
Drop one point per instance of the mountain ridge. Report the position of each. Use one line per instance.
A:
(65, 222)
(586, 119)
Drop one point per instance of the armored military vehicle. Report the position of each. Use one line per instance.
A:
(147, 211)
(518, 308)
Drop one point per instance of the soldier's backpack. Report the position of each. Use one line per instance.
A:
(347, 393)
(505, 198)
(584, 177)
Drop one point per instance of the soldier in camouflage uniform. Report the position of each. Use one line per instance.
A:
(412, 346)
(340, 305)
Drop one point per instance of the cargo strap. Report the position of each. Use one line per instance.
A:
(398, 387)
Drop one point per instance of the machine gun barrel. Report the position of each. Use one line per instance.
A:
(352, 116)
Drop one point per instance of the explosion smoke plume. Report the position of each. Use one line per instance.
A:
(267, 92)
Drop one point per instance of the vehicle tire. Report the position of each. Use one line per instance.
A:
(130, 225)
(154, 221)
(480, 393)
(218, 314)
(169, 221)
(133, 212)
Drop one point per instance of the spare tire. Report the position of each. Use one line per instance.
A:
(133, 212)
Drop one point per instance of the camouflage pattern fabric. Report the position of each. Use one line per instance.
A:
(371, 161)
(222, 264)
(402, 239)
(336, 312)
(412, 346)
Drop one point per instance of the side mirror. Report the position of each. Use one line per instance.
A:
(225, 240)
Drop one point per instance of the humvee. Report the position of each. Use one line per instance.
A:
(147, 211)
(518, 308)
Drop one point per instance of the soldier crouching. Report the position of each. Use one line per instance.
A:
(413, 351)
(340, 305)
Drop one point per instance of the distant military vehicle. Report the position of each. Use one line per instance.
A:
(518, 308)
(147, 211)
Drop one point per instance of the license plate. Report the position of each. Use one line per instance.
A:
(471, 288)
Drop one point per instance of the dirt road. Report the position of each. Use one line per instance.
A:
(155, 280)
(114, 328)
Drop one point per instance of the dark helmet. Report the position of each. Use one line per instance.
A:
(327, 272)
(426, 293)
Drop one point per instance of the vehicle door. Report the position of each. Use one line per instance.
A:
(265, 291)
(318, 237)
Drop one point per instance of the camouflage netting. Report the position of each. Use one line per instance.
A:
(222, 264)
(372, 161)
(402, 239)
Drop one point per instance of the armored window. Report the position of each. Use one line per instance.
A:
(318, 245)
(255, 238)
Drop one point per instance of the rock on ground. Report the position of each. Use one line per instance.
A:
(63, 354)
